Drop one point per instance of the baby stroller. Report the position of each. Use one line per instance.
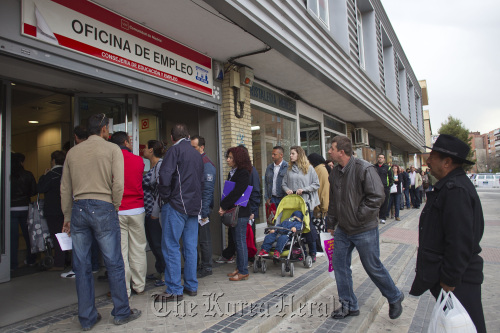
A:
(294, 250)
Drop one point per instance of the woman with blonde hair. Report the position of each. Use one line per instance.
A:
(303, 180)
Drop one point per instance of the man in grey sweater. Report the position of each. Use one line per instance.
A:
(91, 193)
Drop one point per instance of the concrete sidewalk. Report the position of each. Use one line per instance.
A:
(271, 303)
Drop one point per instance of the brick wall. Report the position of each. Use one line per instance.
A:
(234, 131)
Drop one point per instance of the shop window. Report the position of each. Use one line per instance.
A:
(267, 134)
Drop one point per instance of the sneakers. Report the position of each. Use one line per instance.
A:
(223, 260)
(396, 309)
(382, 221)
(276, 255)
(313, 257)
(263, 253)
(68, 275)
(134, 314)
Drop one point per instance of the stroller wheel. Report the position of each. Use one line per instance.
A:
(47, 262)
(256, 265)
(264, 266)
(283, 269)
(308, 262)
(291, 269)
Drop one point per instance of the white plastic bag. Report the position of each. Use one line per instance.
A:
(327, 244)
(449, 315)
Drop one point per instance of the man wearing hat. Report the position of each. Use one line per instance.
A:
(450, 229)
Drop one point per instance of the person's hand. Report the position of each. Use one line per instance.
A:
(221, 211)
(272, 231)
(446, 287)
(331, 231)
(204, 219)
(299, 191)
(294, 229)
(268, 202)
(67, 228)
(46, 171)
(289, 192)
(252, 216)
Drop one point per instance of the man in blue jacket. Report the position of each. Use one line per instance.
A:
(180, 189)
(207, 204)
(274, 176)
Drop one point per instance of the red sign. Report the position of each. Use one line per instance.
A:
(145, 123)
(88, 28)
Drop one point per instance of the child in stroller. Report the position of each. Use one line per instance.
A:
(281, 236)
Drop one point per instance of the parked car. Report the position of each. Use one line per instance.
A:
(485, 180)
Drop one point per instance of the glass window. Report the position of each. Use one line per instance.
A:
(361, 47)
(320, 9)
(310, 138)
(267, 133)
(334, 124)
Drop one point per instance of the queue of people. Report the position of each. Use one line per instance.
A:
(98, 194)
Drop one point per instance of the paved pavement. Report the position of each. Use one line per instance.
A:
(271, 303)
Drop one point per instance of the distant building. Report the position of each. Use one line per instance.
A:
(486, 149)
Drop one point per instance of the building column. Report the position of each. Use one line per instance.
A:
(388, 153)
(234, 131)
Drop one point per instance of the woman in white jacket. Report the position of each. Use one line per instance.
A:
(302, 179)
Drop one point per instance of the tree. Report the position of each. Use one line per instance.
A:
(454, 126)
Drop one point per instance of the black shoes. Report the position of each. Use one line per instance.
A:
(343, 312)
(202, 273)
(134, 314)
(97, 320)
(396, 309)
(190, 293)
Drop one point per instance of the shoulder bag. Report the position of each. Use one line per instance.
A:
(230, 217)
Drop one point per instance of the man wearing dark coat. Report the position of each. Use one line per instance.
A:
(451, 227)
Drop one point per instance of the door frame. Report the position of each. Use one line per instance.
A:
(134, 98)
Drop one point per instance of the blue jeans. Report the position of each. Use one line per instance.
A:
(367, 244)
(395, 199)
(407, 197)
(99, 219)
(174, 226)
(276, 201)
(240, 239)
(280, 240)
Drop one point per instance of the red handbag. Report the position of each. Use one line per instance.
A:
(252, 250)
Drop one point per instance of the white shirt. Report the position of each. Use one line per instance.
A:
(412, 177)
(277, 168)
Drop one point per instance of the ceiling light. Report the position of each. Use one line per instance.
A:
(12, 84)
(33, 121)
(255, 128)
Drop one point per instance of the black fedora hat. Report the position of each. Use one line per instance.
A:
(452, 146)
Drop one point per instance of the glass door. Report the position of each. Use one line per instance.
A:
(5, 90)
(121, 109)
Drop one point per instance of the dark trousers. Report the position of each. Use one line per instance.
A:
(470, 297)
(383, 209)
(415, 197)
(153, 236)
(55, 223)
(230, 250)
(407, 197)
(205, 248)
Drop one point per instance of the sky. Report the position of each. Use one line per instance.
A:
(455, 46)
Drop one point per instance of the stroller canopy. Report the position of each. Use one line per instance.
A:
(290, 204)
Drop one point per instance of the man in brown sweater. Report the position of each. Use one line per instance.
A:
(91, 192)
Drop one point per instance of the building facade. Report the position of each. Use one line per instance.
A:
(257, 73)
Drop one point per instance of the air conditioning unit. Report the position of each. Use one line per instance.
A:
(361, 137)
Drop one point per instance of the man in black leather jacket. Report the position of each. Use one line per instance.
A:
(451, 227)
(387, 178)
(356, 194)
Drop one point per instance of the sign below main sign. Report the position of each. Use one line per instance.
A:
(88, 28)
